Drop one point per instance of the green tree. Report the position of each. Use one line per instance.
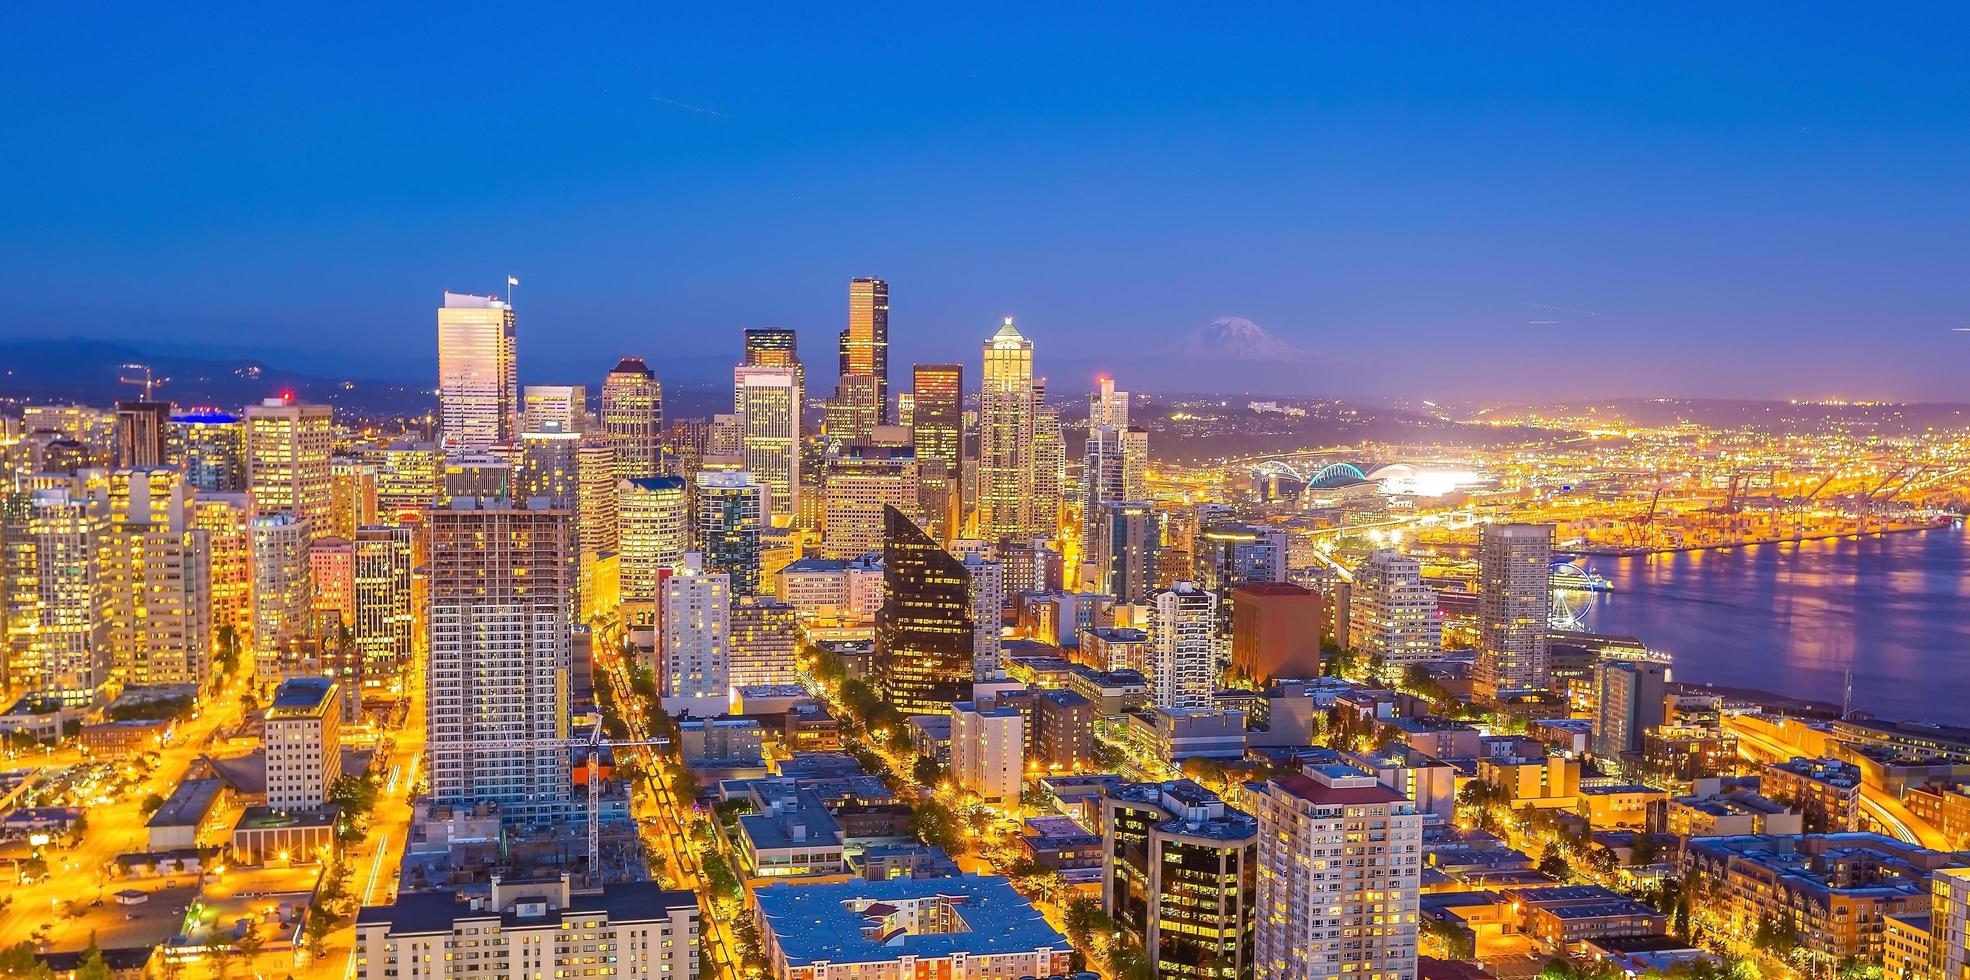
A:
(92, 966)
(21, 960)
(152, 803)
(1554, 863)
(926, 771)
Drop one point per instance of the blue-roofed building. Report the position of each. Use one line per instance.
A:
(902, 928)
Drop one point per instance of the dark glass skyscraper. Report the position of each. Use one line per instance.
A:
(924, 630)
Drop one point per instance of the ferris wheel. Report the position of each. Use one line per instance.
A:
(1573, 593)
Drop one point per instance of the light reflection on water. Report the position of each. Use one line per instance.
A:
(1791, 618)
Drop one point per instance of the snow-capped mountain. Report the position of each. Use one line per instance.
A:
(1234, 338)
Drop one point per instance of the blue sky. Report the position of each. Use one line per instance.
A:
(1760, 201)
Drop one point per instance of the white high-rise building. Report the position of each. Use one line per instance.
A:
(1392, 614)
(769, 433)
(554, 408)
(654, 512)
(1515, 601)
(988, 750)
(1183, 646)
(303, 740)
(478, 377)
(697, 634)
(1339, 865)
(988, 596)
(289, 469)
(1005, 437)
(501, 587)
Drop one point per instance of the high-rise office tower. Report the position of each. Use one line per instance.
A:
(1181, 877)
(1515, 599)
(224, 518)
(56, 643)
(1339, 856)
(1393, 615)
(547, 467)
(386, 620)
(861, 482)
(697, 634)
(497, 705)
(731, 516)
(288, 469)
(409, 478)
(478, 374)
(937, 432)
(281, 602)
(632, 416)
(1005, 437)
(554, 408)
(1049, 464)
(1108, 408)
(1182, 646)
(156, 581)
(988, 750)
(1226, 555)
(1275, 631)
(765, 640)
(332, 581)
(351, 495)
(906, 409)
(727, 438)
(598, 526)
(924, 632)
(988, 599)
(1628, 704)
(865, 344)
(655, 533)
(852, 415)
(770, 434)
(141, 429)
(210, 447)
(1124, 552)
(773, 347)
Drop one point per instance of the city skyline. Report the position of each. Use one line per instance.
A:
(1394, 199)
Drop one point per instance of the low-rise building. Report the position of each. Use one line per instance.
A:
(526, 927)
(1826, 791)
(1563, 916)
(1550, 782)
(1627, 805)
(961, 928)
(187, 814)
(1175, 734)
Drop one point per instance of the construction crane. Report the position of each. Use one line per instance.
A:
(149, 381)
(596, 743)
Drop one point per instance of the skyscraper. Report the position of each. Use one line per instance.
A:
(141, 428)
(1049, 465)
(409, 478)
(770, 433)
(553, 408)
(1112, 466)
(281, 602)
(1275, 631)
(731, 516)
(924, 632)
(1124, 552)
(853, 413)
(1182, 646)
(632, 417)
(156, 581)
(765, 639)
(288, 468)
(1393, 615)
(862, 482)
(351, 494)
(1628, 704)
(224, 518)
(597, 524)
(478, 376)
(1005, 437)
(865, 344)
(697, 632)
(57, 644)
(937, 431)
(1515, 599)
(655, 533)
(1338, 856)
(496, 712)
(211, 449)
(547, 467)
(988, 597)
(1181, 877)
(386, 620)
(773, 347)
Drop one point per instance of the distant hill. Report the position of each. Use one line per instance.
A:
(86, 371)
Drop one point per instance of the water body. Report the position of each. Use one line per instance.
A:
(1792, 618)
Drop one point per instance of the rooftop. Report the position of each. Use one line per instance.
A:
(300, 697)
(435, 912)
(857, 921)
